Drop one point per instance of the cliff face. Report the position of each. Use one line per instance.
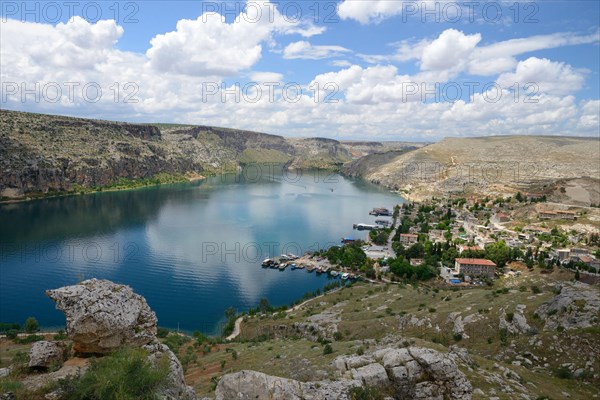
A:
(40, 154)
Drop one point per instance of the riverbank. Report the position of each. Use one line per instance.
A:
(122, 184)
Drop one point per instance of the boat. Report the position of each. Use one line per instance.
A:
(334, 273)
(293, 266)
(348, 240)
(345, 275)
(310, 268)
(301, 266)
(267, 263)
(319, 270)
(364, 227)
(282, 266)
(381, 212)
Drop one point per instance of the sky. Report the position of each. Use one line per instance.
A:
(343, 69)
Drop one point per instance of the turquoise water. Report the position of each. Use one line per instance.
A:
(191, 249)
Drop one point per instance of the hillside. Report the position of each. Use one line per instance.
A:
(565, 167)
(529, 336)
(43, 154)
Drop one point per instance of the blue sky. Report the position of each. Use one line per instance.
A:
(395, 72)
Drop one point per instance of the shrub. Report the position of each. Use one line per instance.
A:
(175, 341)
(366, 393)
(337, 336)
(327, 349)
(510, 316)
(12, 334)
(457, 337)
(31, 325)
(563, 373)
(162, 332)
(28, 339)
(126, 375)
(536, 289)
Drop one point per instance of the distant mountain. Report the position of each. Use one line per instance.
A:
(44, 154)
(567, 167)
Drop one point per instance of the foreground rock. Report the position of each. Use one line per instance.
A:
(256, 385)
(43, 354)
(176, 388)
(412, 373)
(408, 373)
(103, 316)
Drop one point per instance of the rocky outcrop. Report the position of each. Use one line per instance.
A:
(576, 306)
(176, 388)
(256, 385)
(515, 322)
(44, 353)
(410, 373)
(103, 316)
(413, 372)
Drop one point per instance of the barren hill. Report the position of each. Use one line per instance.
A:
(491, 165)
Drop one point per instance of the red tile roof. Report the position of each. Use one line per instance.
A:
(476, 261)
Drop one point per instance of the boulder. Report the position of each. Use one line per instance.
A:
(44, 353)
(103, 316)
(176, 389)
(371, 375)
(256, 385)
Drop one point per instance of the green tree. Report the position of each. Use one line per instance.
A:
(498, 252)
(31, 325)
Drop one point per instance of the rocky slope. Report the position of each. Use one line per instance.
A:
(490, 165)
(42, 154)
(401, 342)
(103, 317)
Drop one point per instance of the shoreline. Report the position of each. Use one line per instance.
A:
(193, 177)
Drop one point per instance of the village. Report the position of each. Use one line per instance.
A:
(462, 241)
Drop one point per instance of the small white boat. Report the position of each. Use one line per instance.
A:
(334, 273)
(345, 275)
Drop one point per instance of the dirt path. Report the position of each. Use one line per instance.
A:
(236, 329)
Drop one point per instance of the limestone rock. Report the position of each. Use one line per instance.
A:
(176, 389)
(518, 324)
(371, 375)
(103, 316)
(576, 306)
(44, 353)
(256, 385)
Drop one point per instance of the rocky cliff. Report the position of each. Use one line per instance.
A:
(41, 154)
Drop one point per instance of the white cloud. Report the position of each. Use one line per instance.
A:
(454, 52)
(548, 76)
(371, 100)
(266, 77)
(449, 52)
(367, 11)
(340, 63)
(209, 46)
(305, 50)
